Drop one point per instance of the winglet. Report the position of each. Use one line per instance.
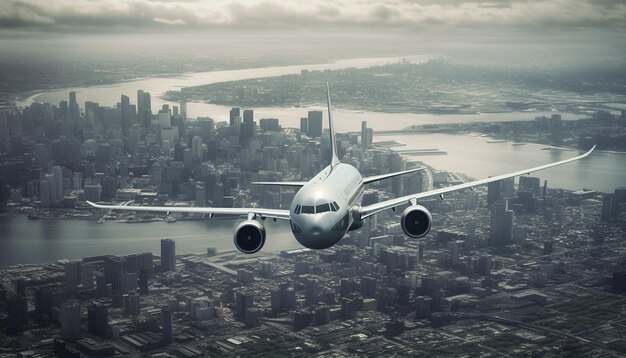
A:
(333, 143)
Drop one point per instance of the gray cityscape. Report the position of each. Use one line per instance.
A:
(186, 105)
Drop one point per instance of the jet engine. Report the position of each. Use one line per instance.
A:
(249, 236)
(416, 221)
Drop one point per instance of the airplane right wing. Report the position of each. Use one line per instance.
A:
(374, 178)
(263, 213)
(369, 210)
(280, 183)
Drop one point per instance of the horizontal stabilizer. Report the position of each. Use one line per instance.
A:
(280, 183)
(390, 175)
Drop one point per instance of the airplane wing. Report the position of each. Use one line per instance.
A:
(280, 183)
(369, 210)
(263, 213)
(374, 178)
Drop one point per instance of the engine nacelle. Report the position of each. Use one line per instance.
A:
(416, 221)
(249, 236)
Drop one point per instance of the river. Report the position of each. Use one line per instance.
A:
(35, 241)
(346, 120)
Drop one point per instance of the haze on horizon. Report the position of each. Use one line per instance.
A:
(42, 43)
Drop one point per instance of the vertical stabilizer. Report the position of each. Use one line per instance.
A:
(333, 143)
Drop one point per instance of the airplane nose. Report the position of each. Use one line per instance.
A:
(316, 230)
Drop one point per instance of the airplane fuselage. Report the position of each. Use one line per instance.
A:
(321, 211)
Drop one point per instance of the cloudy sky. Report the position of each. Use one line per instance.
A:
(411, 15)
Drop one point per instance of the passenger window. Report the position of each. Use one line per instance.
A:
(322, 208)
(308, 209)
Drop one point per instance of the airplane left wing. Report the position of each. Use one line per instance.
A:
(263, 213)
(369, 210)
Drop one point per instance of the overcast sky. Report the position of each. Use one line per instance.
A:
(411, 15)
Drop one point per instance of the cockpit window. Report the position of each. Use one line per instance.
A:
(334, 206)
(297, 209)
(308, 209)
(322, 208)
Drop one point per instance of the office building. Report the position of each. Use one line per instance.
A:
(494, 192)
(71, 321)
(501, 224)
(168, 255)
(97, 319)
(72, 275)
(314, 124)
(167, 335)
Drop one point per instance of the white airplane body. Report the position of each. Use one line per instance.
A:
(329, 205)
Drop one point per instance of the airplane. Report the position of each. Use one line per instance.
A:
(328, 206)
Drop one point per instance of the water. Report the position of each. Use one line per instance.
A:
(34, 241)
(345, 120)
(472, 155)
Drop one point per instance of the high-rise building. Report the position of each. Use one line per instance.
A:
(45, 193)
(168, 327)
(304, 125)
(86, 277)
(367, 136)
(196, 150)
(247, 129)
(165, 119)
(72, 275)
(494, 192)
(71, 321)
(74, 110)
(144, 108)
(453, 248)
(57, 182)
(168, 255)
(17, 310)
(532, 184)
(610, 207)
(234, 116)
(143, 282)
(97, 319)
(314, 124)
(127, 115)
(501, 227)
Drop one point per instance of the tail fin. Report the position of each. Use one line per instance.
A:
(333, 143)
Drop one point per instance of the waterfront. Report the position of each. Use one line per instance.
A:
(35, 241)
(27, 241)
(346, 120)
(474, 156)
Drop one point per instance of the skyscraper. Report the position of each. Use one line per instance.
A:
(127, 116)
(367, 135)
(247, 128)
(71, 321)
(501, 228)
(74, 110)
(168, 255)
(168, 327)
(234, 113)
(97, 319)
(304, 125)
(72, 275)
(196, 150)
(494, 191)
(314, 124)
(17, 309)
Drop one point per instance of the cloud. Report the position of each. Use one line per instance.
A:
(312, 14)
